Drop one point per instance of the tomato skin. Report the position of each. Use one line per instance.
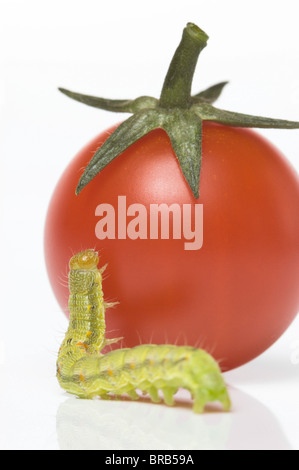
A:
(237, 294)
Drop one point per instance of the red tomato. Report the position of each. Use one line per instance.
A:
(237, 294)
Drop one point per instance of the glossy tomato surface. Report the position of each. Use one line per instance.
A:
(235, 295)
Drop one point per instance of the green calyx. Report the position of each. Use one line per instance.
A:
(176, 111)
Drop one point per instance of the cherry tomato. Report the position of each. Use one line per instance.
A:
(234, 296)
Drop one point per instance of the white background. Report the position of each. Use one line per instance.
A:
(121, 49)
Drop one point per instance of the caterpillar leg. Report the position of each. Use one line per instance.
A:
(198, 406)
(200, 401)
(168, 393)
(133, 394)
(153, 393)
(105, 396)
(225, 401)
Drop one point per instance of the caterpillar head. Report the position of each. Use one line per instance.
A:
(87, 259)
(83, 271)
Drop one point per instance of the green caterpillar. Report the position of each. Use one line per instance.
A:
(84, 371)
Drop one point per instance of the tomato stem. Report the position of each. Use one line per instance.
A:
(176, 91)
(177, 112)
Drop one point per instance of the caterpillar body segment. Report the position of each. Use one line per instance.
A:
(86, 331)
(85, 372)
(150, 368)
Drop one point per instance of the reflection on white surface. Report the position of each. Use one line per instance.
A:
(125, 425)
